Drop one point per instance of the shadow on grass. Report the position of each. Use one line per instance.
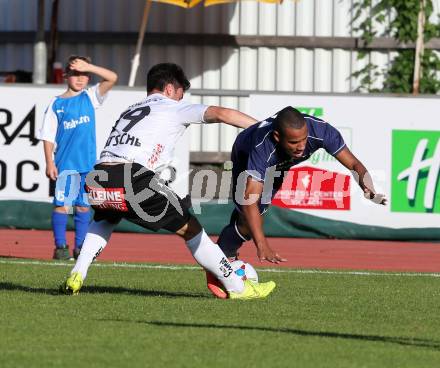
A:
(140, 292)
(103, 290)
(405, 341)
(28, 289)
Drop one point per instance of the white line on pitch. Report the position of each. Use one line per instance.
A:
(192, 268)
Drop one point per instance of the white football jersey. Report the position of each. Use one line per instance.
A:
(147, 132)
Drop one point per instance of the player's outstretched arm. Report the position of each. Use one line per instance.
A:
(217, 114)
(254, 222)
(361, 174)
(108, 77)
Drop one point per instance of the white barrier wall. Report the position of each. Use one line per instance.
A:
(397, 139)
(22, 164)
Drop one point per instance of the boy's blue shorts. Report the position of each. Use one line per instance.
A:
(70, 189)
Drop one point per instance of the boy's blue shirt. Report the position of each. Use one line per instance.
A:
(76, 133)
(70, 123)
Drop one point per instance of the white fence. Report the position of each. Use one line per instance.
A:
(209, 67)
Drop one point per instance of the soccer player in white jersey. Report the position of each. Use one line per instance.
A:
(125, 182)
(69, 140)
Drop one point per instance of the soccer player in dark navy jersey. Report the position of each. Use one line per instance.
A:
(261, 149)
(262, 154)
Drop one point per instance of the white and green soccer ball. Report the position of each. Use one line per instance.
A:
(245, 270)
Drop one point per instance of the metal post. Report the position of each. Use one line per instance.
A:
(136, 58)
(53, 47)
(40, 49)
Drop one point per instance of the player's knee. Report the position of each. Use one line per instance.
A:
(81, 209)
(243, 227)
(190, 229)
(61, 209)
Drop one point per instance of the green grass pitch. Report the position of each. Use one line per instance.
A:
(141, 316)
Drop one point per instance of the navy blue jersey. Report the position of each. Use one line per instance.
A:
(255, 149)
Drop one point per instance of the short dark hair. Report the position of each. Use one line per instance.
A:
(288, 118)
(164, 73)
(74, 57)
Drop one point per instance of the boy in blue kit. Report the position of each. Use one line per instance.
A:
(69, 138)
(262, 154)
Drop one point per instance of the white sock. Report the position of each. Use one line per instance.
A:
(96, 239)
(210, 257)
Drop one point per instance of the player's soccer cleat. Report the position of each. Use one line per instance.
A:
(215, 286)
(73, 284)
(76, 252)
(254, 290)
(61, 253)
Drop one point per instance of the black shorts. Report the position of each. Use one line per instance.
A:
(137, 194)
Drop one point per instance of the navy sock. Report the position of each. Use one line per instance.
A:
(230, 240)
(81, 220)
(59, 223)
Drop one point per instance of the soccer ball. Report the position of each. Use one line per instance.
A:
(244, 270)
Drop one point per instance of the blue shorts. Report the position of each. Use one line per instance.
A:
(70, 189)
(239, 161)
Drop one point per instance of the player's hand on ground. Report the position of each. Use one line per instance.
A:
(80, 65)
(375, 197)
(51, 171)
(266, 253)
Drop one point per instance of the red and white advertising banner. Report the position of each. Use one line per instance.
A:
(311, 188)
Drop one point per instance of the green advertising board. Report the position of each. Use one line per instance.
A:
(314, 111)
(415, 171)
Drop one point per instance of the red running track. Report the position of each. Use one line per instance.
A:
(301, 253)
